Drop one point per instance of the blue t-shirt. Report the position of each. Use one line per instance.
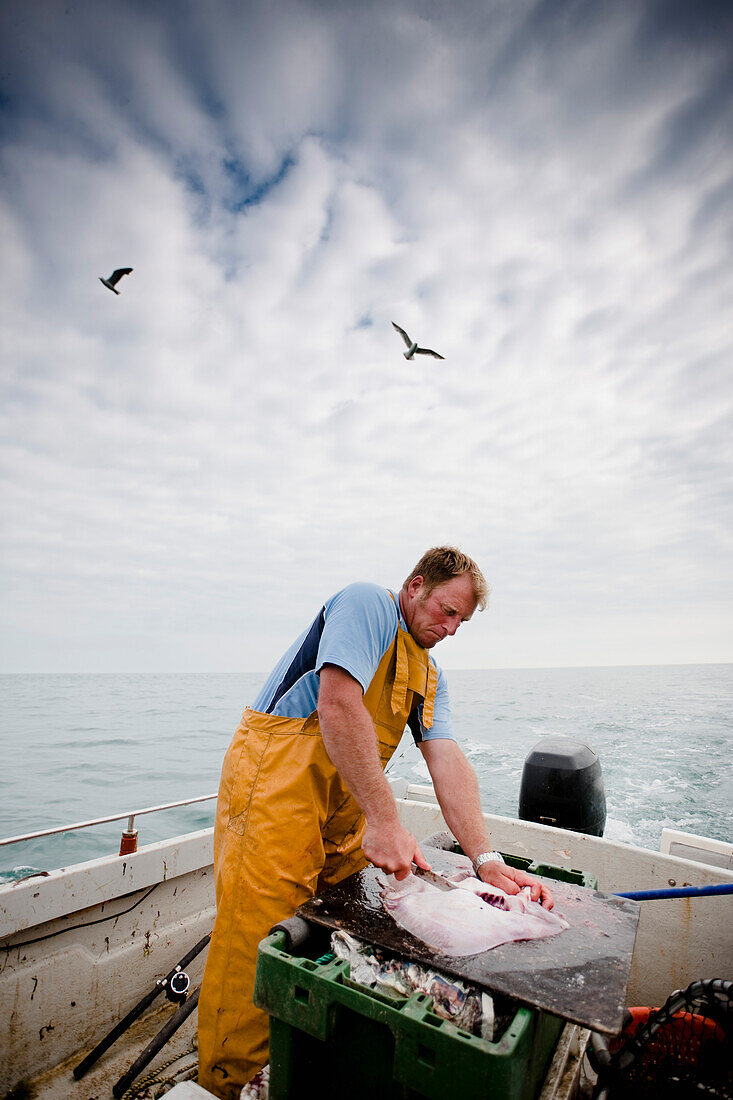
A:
(353, 630)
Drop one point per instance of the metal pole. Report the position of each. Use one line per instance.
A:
(679, 892)
(157, 1043)
(104, 820)
(138, 1010)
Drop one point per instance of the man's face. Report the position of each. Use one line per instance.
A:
(432, 618)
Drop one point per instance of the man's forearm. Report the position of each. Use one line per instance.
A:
(350, 741)
(457, 791)
(458, 795)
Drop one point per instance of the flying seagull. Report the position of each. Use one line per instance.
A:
(114, 278)
(412, 348)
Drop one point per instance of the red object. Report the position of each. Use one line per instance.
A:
(686, 1026)
(128, 843)
(686, 1047)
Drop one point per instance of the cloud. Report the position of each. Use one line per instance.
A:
(541, 192)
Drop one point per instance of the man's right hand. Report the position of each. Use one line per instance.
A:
(393, 849)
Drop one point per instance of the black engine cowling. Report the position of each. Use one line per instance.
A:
(562, 785)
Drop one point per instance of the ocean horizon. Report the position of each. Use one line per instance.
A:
(78, 746)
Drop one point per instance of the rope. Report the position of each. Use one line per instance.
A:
(396, 759)
(154, 1078)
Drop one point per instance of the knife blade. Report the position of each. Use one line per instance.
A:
(432, 876)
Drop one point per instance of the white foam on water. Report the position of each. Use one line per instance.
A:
(619, 831)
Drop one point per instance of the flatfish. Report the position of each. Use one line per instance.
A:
(468, 920)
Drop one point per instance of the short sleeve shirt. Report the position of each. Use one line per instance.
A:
(353, 630)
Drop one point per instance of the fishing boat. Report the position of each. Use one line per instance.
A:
(81, 946)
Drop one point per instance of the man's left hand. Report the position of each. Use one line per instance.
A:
(511, 881)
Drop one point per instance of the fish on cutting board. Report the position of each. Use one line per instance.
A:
(468, 920)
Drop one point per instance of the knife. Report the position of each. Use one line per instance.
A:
(432, 876)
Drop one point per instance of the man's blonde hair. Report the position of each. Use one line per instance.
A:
(442, 564)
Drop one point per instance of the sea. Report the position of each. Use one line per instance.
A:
(79, 747)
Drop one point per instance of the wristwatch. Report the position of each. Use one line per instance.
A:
(486, 857)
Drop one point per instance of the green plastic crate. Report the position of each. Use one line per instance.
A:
(330, 1034)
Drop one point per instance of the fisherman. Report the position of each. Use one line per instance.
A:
(303, 801)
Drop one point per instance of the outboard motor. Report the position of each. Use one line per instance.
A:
(562, 786)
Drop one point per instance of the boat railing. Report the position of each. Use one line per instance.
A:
(128, 842)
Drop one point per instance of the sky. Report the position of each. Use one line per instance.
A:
(540, 190)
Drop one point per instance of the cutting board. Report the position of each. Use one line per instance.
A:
(580, 975)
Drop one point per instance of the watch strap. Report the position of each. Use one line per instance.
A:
(487, 857)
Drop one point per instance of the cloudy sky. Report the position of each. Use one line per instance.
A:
(542, 190)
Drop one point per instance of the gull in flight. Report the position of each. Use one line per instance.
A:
(412, 348)
(114, 278)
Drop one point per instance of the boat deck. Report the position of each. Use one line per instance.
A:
(178, 1056)
(568, 1078)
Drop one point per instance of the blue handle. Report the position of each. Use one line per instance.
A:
(680, 892)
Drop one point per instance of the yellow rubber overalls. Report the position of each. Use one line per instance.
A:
(286, 827)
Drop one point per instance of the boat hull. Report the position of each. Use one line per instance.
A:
(83, 944)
